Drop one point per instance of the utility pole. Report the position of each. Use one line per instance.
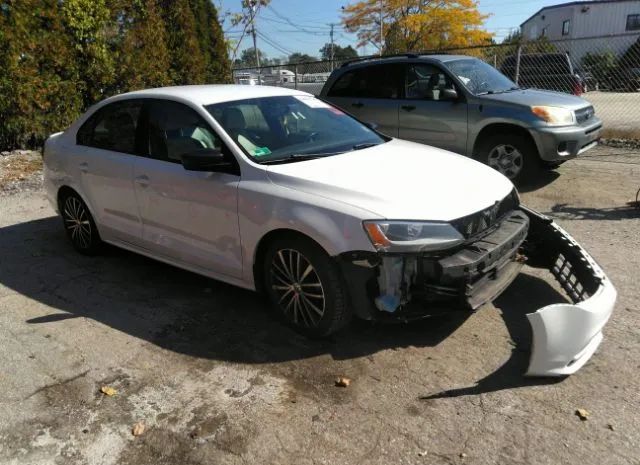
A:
(331, 35)
(252, 15)
(381, 27)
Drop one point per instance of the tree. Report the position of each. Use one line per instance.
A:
(38, 77)
(339, 53)
(188, 65)
(248, 58)
(142, 54)
(298, 57)
(599, 65)
(87, 22)
(212, 42)
(417, 24)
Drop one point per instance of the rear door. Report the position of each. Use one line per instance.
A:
(187, 216)
(427, 115)
(371, 94)
(106, 148)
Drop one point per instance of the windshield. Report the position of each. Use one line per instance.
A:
(286, 128)
(479, 77)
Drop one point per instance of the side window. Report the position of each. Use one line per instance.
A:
(377, 81)
(175, 129)
(113, 127)
(426, 82)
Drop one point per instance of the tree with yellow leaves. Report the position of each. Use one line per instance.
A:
(415, 25)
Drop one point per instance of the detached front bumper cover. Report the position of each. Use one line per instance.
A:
(565, 335)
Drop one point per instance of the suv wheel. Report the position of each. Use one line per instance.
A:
(510, 154)
(305, 287)
(79, 225)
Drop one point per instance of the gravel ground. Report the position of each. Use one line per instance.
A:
(216, 380)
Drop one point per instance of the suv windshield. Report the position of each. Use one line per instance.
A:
(479, 77)
(289, 128)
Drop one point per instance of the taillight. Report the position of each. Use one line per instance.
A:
(577, 87)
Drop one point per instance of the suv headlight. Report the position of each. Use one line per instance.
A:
(411, 236)
(554, 116)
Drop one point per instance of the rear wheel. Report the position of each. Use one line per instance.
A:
(79, 224)
(305, 287)
(510, 154)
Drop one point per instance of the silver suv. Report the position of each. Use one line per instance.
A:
(464, 105)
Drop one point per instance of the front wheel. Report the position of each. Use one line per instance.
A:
(510, 154)
(306, 287)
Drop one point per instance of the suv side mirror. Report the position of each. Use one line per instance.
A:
(206, 160)
(448, 94)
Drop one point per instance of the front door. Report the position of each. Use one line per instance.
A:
(189, 216)
(427, 115)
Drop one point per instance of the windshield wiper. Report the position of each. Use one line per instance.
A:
(365, 145)
(297, 157)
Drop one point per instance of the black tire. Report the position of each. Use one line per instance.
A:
(79, 224)
(528, 162)
(296, 271)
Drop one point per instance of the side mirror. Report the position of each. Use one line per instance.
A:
(448, 94)
(205, 160)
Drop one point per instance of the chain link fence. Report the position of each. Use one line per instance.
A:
(604, 70)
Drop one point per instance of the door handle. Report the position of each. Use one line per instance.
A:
(357, 104)
(84, 167)
(408, 107)
(142, 181)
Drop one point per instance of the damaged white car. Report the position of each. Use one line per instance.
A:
(272, 189)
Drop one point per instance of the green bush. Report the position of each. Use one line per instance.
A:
(59, 57)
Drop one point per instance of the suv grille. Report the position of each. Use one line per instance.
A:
(584, 114)
(478, 222)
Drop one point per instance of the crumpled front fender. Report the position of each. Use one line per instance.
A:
(566, 335)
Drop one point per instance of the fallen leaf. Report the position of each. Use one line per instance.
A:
(582, 414)
(610, 426)
(138, 428)
(343, 382)
(108, 390)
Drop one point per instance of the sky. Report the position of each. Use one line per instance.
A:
(287, 26)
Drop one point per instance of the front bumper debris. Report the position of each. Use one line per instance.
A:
(566, 335)
(410, 286)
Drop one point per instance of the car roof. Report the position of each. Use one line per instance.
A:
(211, 93)
(404, 57)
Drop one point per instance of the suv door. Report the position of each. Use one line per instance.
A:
(106, 145)
(371, 94)
(427, 115)
(188, 216)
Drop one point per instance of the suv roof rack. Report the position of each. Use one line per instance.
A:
(358, 60)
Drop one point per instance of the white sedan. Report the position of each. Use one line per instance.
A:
(274, 190)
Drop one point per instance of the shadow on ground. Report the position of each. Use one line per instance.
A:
(196, 316)
(564, 211)
(540, 180)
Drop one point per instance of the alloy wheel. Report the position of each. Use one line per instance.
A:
(76, 221)
(506, 159)
(298, 288)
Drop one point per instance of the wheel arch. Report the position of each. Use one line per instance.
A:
(263, 246)
(65, 190)
(502, 128)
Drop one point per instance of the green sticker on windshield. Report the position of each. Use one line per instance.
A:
(261, 151)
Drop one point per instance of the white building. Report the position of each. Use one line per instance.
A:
(587, 26)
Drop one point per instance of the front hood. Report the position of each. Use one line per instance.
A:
(529, 97)
(399, 180)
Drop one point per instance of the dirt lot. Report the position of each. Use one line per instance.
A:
(217, 381)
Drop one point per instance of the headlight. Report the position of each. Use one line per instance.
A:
(411, 236)
(554, 116)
